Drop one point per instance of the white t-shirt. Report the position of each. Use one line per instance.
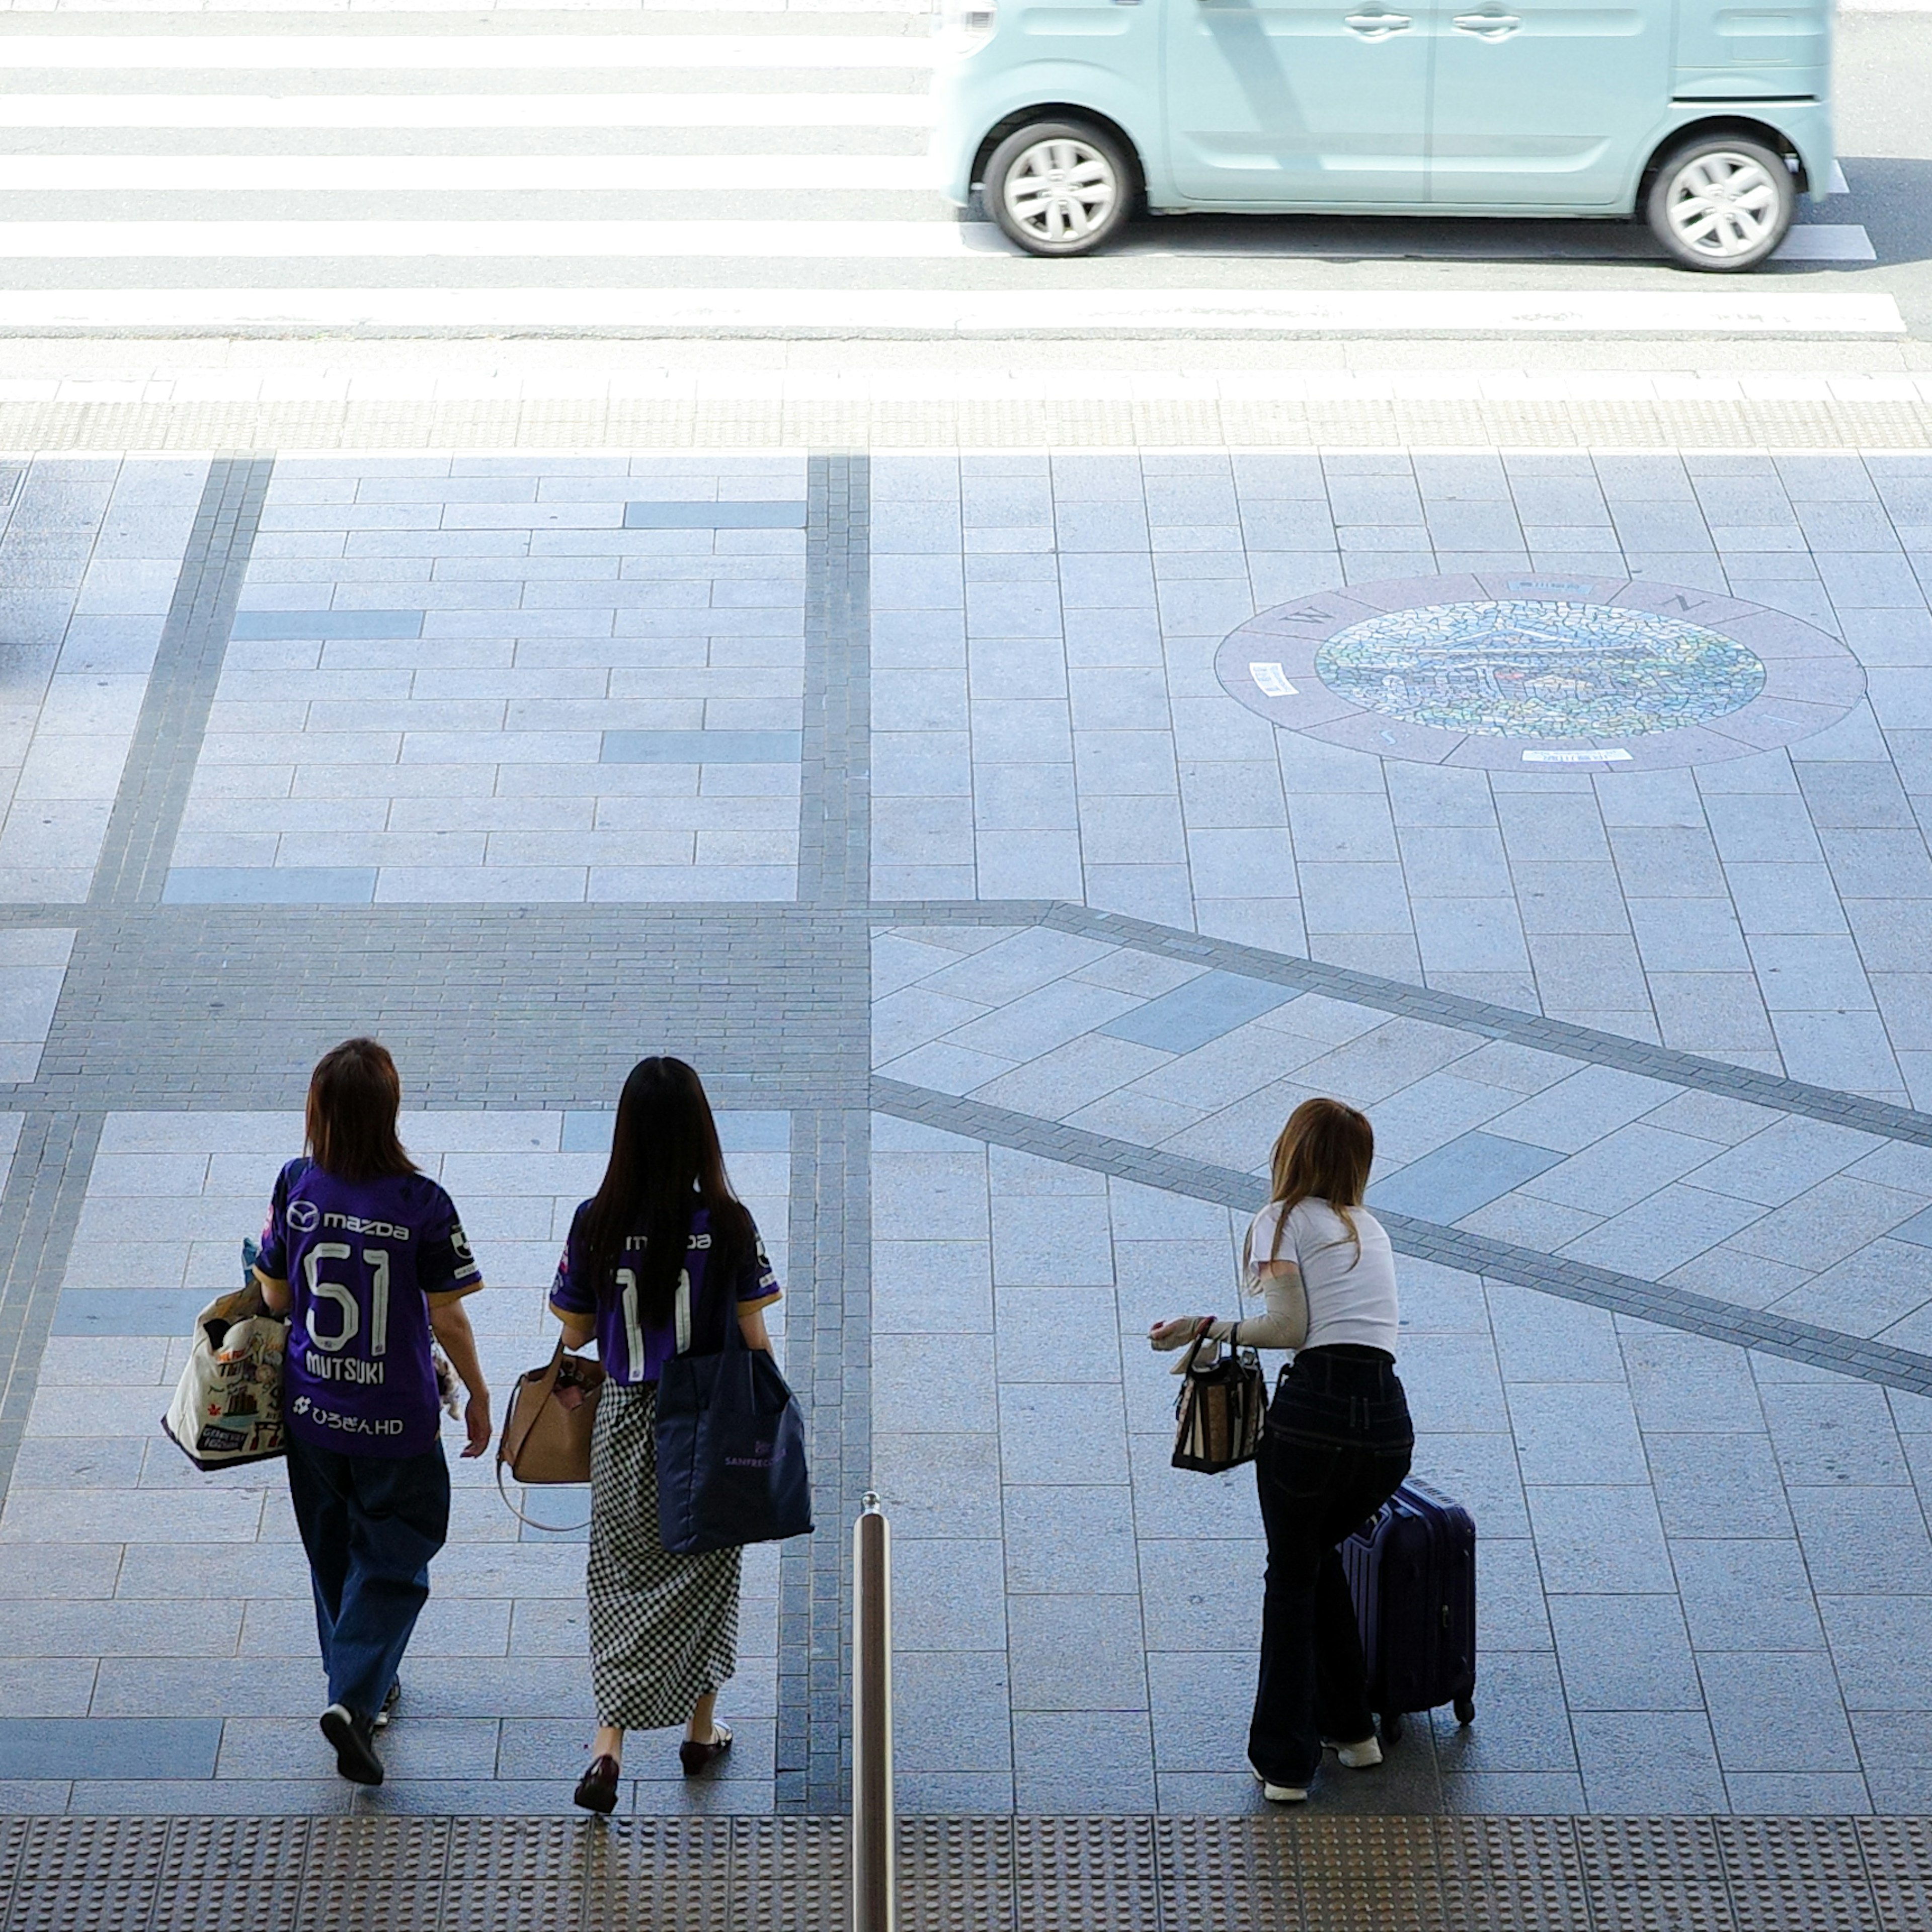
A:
(1350, 1298)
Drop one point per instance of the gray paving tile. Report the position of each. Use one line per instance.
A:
(1880, 1646)
(1521, 1724)
(1746, 1593)
(1650, 1761)
(1091, 1762)
(1689, 1383)
(701, 747)
(1599, 1538)
(270, 885)
(1070, 1539)
(948, 1595)
(1772, 1712)
(1833, 1433)
(1570, 1432)
(1076, 1653)
(722, 515)
(1862, 1541)
(1626, 1652)
(951, 1714)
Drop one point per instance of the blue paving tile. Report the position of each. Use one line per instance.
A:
(587, 1133)
(685, 516)
(143, 1747)
(270, 885)
(1203, 1009)
(1918, 1229)
(1469, 1173)
(701, 747)
(256, 627)
(129, 1311)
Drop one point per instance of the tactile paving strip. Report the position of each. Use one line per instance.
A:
(995, 1874)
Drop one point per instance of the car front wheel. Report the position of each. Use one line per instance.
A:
(1721, 203)
(1058, 187)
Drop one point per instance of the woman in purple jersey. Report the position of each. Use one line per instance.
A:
(366, 1257)
(663, 1253)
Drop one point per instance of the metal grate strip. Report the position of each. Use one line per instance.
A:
(968, 1874)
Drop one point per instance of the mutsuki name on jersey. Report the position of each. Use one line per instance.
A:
(343, 1369)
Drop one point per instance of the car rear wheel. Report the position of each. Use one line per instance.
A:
(1058, 187)
(1721, 203)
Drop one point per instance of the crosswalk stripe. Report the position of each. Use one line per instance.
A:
(263, 51)
(927, 312)
(205, 112)
(268, 240)
(404, 174)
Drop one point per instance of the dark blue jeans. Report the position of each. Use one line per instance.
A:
(1337, 1443)
(370, 1525)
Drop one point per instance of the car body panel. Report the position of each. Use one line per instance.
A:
(1559, 108)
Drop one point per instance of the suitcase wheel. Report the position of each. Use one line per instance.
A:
(1391, 1727)
(1465, 1710)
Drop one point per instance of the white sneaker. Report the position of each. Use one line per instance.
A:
(1363, 1756)
(1281, 1794)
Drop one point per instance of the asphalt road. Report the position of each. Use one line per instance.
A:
(471, 171)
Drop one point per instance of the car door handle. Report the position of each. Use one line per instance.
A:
(1487, 26)
(1377, 26)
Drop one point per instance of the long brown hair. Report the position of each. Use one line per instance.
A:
(1323, 1153)
(354, 1096)
(665, 1164)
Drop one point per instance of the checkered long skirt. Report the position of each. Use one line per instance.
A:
(664, 1629)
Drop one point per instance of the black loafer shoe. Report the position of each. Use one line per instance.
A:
(597, 1789)
(353, 1737)
(697, 1757)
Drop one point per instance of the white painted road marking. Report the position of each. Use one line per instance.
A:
(205, 112)
(457, 174)
(308, 52)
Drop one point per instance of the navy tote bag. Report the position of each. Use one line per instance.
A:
(730, 1440)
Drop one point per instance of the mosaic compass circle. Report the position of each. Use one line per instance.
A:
(1516, 672)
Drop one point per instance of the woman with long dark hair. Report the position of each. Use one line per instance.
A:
(659, 1259)
(1338, 1439)
(367, 1258)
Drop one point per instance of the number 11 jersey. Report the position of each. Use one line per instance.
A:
(363, 1260)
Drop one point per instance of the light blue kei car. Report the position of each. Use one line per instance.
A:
(1707, 119)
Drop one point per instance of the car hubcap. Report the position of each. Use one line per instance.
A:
(1060, 191)
(1722, 205)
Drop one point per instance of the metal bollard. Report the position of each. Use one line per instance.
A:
(874, 1900)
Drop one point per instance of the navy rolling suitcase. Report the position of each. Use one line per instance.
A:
(1411, 1569)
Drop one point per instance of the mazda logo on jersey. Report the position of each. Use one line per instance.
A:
(305, 1216)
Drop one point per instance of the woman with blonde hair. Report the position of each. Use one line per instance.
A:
(1338, 1439)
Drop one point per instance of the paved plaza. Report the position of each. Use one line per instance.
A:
(921, 801)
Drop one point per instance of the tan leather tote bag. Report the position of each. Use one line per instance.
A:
(546, 1436)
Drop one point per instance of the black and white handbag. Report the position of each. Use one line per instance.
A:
(1219, 1411)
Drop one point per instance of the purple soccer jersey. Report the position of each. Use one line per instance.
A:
(361, 1260)
(632, 1349)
